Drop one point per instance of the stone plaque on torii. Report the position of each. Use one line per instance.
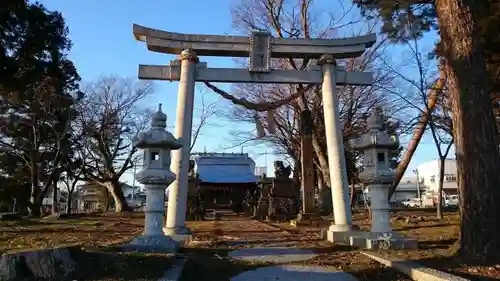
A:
(260, 47)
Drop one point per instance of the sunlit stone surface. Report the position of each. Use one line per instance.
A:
(273, 254)
(294, 272)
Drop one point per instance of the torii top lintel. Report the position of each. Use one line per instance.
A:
(241, 46)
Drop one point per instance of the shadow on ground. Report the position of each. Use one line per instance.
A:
(379, 273)
(427, 226)
(259, 242)
(106, 266)
(441, 244)
(229, 232)
(212, 265)
(95, 265)
(471, 271)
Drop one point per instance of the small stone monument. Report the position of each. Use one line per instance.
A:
(157, 144)
(261, 210)
(377, 176)
(284, 194)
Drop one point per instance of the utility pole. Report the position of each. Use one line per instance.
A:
(418, 188)
(265, 160)
(133, 181)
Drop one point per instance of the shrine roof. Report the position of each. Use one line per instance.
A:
(225, 168)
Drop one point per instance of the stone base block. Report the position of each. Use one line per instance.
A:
(177, 231)
(343, 236)
(381, 241)
(305, 219)
(153, 243)
(372, 241)
(396, 243)
(178, 234)
(308, 216)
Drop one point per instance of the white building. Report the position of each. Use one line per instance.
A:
(428, 173)
(408, 188)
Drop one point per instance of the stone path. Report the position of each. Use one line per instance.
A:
(174, 273)
(255, 241)
(273, 254)
(243, 232)
(293, 273)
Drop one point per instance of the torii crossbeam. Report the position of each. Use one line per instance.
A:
(314, 75)
(238, 46)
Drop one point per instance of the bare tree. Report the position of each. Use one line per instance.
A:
(277, 107)
(441, 128)
(422, 94)
(110, 117)
(425, 91)
(204, 112)
(70, 179)
(419, 129)
(74, 167)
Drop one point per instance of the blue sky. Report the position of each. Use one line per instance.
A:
(101, 32)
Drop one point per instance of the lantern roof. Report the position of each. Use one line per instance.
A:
(376, 136)
(157, 136)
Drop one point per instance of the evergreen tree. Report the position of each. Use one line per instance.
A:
(469, 47)
(37, 83)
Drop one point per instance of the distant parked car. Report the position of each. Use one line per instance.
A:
(411, 203)
(451, 201)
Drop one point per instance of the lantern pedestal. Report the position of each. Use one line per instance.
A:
(380, 208)
(154, 243)
(153, 238)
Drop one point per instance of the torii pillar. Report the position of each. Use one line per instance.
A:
(339, 182)
(177, 203)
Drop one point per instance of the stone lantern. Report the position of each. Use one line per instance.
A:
(377, 176)
(156, 176)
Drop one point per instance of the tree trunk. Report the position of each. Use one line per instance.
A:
(325, 192)
(322, 159)
(324, 196)
(116, 192)
(34, 206)
(54, 198)
(474, 129)
(439, 212)
(69, 202)
(297, 171)
(419, 130)
(353, 194)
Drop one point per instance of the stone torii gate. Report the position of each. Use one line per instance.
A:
(260, 47)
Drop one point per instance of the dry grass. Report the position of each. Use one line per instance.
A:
(88, 232)
(435, 240)
(214, 239)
